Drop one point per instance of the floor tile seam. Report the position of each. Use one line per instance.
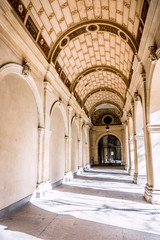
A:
(47, 225)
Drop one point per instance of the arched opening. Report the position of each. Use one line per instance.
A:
(57, 146)
(18, 140)
(109, 150)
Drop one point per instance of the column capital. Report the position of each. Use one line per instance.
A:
(41, 129)
(143, 75)
(132, 102)
(26, 69)
(152, 53)
(66, 138)
(137, 96)
(47, 86)
(129, 114)
(69, 108)
(158, 53)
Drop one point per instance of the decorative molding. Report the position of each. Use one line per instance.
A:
(158, 53)
(152, 53)
(69, 108)
(47, 86)
(129, 114)
(137, 97)
(26, 69)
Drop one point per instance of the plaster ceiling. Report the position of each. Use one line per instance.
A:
(91, 44)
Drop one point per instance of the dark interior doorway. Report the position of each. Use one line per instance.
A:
(109, 150)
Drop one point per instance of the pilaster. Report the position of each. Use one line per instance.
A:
(152, 190)
(69, 137)
(80, 144)
(40, 154)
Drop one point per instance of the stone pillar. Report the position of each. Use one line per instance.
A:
(70, 137)
(94, 148)
(40, 155)
(141, 177)
(47, 104)
(126, 147)
(87, 163)
(123, 147)
(134, 143)
(80, 144)
(152, 190)
(66, 154)
(147, 142)
(47, 136)
(130, 149)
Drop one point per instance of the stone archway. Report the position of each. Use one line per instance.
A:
(18, 136)
(57, 145)
(109, 150)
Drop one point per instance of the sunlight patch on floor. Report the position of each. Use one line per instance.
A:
(14, 235)
(96, 201)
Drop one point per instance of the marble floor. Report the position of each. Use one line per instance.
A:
(102, 203)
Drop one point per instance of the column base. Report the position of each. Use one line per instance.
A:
(42, 190)
(87, 167)
(126, 167)
(68, 177)
(152, 195)
(140, 179)
(131, 172)
(80, 171)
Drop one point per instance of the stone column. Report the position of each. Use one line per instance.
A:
(94, 147)
(70, 137)
(92, 137)
(66, 154)
(80, 144)
(47, 104)
(47, 136)
(141, 177)
(126, 147)
(134, 143)
(130, 149)
(123, 147)
(152, 190)
(87, 163)
(40, 155)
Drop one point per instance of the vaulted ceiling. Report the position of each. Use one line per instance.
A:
(91, 44)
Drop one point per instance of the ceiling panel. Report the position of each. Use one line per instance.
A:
(77, 36)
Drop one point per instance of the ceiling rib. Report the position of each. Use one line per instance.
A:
(97, 68)
(96, 25)
(102, 89)
(102, 102)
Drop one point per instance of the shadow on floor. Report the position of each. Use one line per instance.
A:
(102, 193)
(104, 179)
(50, 226)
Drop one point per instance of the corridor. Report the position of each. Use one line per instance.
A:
(102, 203)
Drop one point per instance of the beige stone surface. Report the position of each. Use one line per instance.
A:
(18, 140)
(100, 204)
